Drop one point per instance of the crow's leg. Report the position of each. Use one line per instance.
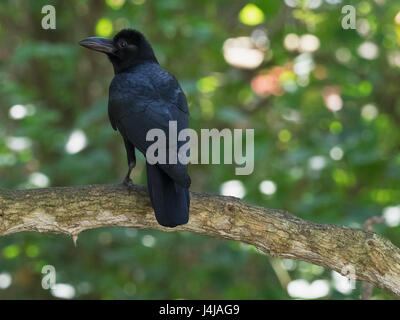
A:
(130, 152)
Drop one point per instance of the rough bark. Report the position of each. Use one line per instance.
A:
(361, 254)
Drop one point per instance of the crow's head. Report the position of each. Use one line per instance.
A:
(127, 49)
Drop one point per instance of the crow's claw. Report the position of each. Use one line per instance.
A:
(128, 183)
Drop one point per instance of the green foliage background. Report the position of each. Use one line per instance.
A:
(64, 87)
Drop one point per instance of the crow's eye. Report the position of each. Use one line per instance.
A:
(123, 44)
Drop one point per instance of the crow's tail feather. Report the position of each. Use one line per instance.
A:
(170, 200)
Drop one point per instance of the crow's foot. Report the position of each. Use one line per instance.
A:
(128, 183)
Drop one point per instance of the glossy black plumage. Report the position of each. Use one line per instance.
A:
(143, 96)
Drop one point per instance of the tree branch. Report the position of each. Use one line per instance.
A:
(355, 253)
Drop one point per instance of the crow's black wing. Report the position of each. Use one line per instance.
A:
(140, 102)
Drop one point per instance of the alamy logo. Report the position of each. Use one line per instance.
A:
(49, 278)
(170, 151)
(49, 20)
(349, 20)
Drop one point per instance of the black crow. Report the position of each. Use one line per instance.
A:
(143, 96)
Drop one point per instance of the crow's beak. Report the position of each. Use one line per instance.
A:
(98, 44)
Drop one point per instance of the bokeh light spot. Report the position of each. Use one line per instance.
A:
(251, 15)
(115, 4)
(365, 88)
(104, 27)
(291, 42)
(368, 50)
(317, 163)
(369, 112)
(5, 280)
(302, 289)
(343, 55)
(335, 127)
(285, 135)
(343, 178)
(77, 141)
(233, 188)
(12, 251)
(309, 43)
(32, 251)
(18, 143)
(241, 52)
(397, 18)
(148, 241)
(336, 153)
(39, 179)
(392, 216)
(63, 291)
(342, 283)
(333, 100)
(267, 187)
(207, 84)
(18, 111)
